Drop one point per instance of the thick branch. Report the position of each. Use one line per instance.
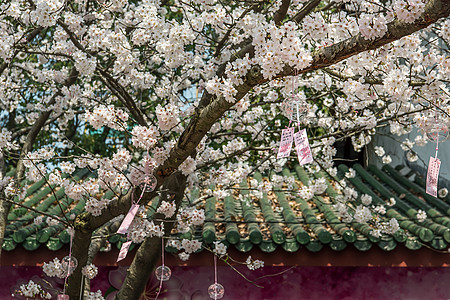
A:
(281, 12)
(367, 79)
(80, 248)
(324, 57)
(309, 7)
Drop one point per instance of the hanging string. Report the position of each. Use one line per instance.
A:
(70, 261)
(215, 268)
(437, 134)
(162, 260)
(140, 197)
(215, 274)
(82, 287)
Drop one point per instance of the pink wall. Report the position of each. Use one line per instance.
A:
(296, 283)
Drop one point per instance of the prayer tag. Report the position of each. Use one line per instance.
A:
(128, 219)
(123, 251)
(63, 297)
(287, 138)
(432, 176)
(302, 146)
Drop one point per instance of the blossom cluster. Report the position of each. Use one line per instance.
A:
(89, 271)
(53, 268)
(107, 116)
(33, 290)
(254, 264)
(141, 228)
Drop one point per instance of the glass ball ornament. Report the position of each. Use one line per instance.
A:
(149, 183)
(216, 291)
(437, 132)
(294, 109)
(163, 273)
(68, 265)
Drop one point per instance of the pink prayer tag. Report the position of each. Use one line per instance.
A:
(432, 176)
(63, 297)
(123, 251)
(302, 146)
(128, 219)
(287, 138)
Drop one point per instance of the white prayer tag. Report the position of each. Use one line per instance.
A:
(302, 146)
(432, 176)
(287, 138)
(128, 219)
(123, 251)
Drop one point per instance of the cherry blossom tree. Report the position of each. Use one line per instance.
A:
(196, 93)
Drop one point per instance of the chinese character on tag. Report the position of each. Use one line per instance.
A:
(287, 138)
(123, 251)
(432, 176)
(63, 297)
(128, 219)
(302, 146)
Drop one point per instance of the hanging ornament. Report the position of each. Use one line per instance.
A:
(294, 109)
(163, 273)
(216, 291)
(434, 125)
(63, 297)
(149, 183)
(68, 265)
(437, 132)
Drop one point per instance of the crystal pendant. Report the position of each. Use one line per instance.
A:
(163, 273)
(216, 291)
(68, 265)
(149, 183)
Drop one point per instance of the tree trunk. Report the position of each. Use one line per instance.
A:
(149, 252)
(81, 242)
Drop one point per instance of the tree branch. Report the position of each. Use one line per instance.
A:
(110, 81)
(308, 8)
(367, 79)
(326, 56)
(281, 12)
(29, 38)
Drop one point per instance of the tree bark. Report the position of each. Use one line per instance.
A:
(149, 253)
(80, 246)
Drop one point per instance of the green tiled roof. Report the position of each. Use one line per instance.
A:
(279, 219)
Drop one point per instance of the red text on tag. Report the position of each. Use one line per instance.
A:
(302, 146)
(287, 138)
(432, 176)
